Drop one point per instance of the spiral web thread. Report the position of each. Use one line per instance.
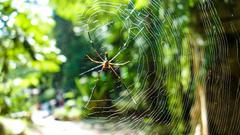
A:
(156, 67)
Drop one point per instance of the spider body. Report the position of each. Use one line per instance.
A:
(105, 65)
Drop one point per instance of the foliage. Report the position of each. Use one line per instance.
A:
(27, 52)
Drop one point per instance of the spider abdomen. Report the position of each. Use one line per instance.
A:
(105, 65)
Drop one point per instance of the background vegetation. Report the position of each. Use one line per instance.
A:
(43, 53)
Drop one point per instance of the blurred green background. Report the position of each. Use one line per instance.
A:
(43, 48)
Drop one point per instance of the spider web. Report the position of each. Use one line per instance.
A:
(167, 63)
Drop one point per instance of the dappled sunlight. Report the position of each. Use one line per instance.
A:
(122, 67)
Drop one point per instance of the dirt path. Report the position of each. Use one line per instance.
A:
(50, 126)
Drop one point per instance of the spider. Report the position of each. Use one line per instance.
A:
(105, 64)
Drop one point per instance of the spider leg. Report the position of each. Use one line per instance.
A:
(119, 64)
(95, 61)
(92, 91)
(115, 72)
(92, 44)
(90, 70)
(122, 49)
(123, 84)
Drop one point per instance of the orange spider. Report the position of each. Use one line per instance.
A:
(105, 64)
